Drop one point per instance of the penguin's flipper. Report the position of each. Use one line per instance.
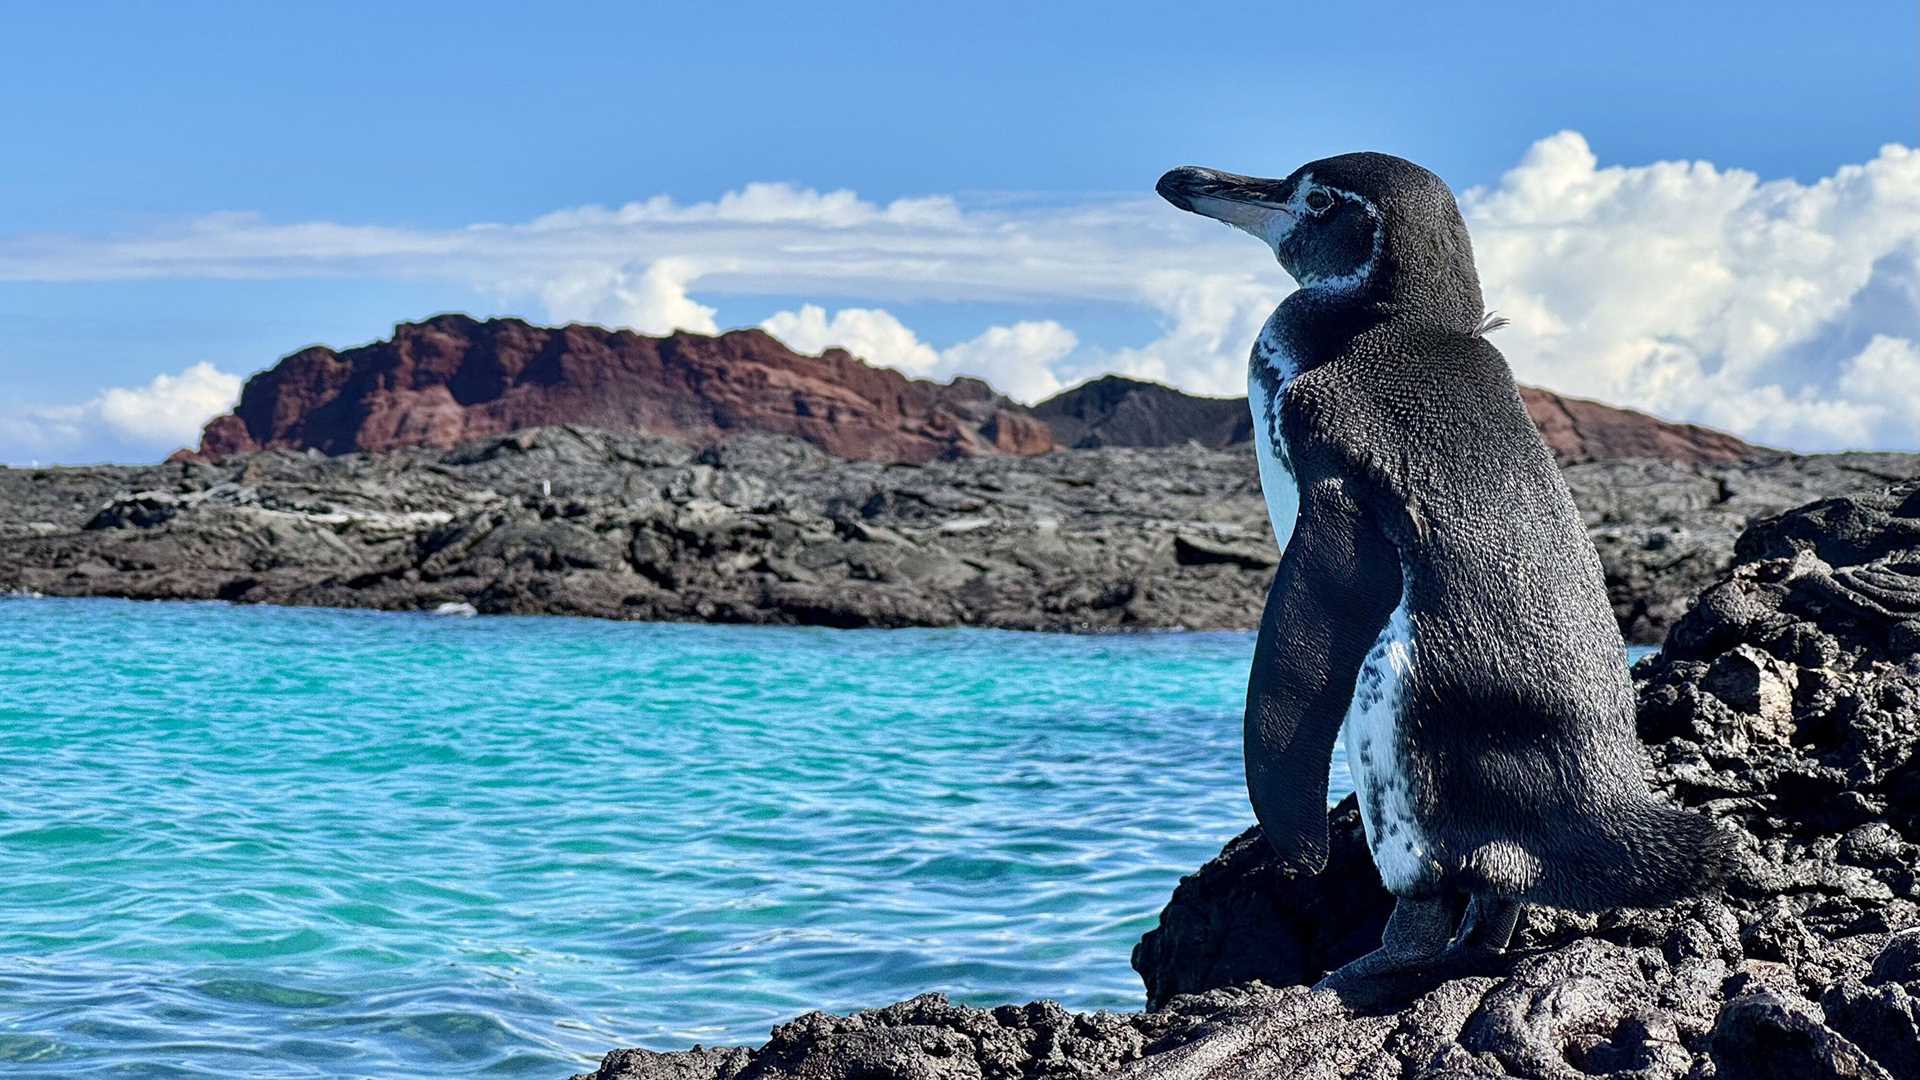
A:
(1337, 585)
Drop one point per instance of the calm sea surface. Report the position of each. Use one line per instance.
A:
(259, 842)
(266, 842)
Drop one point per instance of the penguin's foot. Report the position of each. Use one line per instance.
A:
(1377, 964)
(1417, 933)
(1487, 929)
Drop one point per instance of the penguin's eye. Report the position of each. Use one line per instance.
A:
(1318, 201)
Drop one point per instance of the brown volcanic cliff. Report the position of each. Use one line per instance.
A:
(1579, 430)
(452, 379)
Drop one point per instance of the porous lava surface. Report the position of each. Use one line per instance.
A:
(770, 529)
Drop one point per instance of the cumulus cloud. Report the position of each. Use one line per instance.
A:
(1019, 360)
(651, 299)
(1782, 310)
(872, 334)
(1709, 293)
(171, 408)
(1210, 322)
(168, 412)
(1883, 383)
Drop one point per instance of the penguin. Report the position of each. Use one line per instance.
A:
(1438, 597)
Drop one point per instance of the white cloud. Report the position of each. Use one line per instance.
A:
(1018, 360)
(1883, 381)
(761, 204)
(167, 413)
(1707, 293)
(1210, 323)
(1684, 288)
(872, 334)
(171, 408)
(30, 435)
(652, 300)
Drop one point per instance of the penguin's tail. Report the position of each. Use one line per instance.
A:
(1642, 854)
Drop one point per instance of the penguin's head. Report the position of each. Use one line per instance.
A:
(1365, 225)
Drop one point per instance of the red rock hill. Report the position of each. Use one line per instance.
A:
(1581, 430)
(451, 378)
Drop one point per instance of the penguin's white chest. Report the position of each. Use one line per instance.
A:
(1402, 851)
(1277, 483)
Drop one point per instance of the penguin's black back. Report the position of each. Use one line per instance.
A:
(1517, 725)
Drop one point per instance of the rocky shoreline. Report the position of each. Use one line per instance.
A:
(769, 529)
(1785, 705)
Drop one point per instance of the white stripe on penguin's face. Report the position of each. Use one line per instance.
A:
(1301, 209)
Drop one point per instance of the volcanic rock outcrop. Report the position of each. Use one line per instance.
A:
(765, 529)
(1785, 705)
(453, 379)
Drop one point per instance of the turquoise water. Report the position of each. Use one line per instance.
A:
(259, 842)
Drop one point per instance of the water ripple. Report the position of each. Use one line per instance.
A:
(253, 842)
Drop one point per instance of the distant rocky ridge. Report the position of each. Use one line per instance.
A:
(452, 379)
(1785, 706)
(769, 529)
(1118, 411)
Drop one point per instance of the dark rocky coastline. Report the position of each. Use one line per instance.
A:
(1785, 705)
(766, 529)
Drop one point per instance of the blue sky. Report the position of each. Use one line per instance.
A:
(392, 130)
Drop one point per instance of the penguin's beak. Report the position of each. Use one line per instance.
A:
(1191, 188)
(1251, 203)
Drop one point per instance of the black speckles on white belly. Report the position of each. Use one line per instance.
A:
(1401, 849)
